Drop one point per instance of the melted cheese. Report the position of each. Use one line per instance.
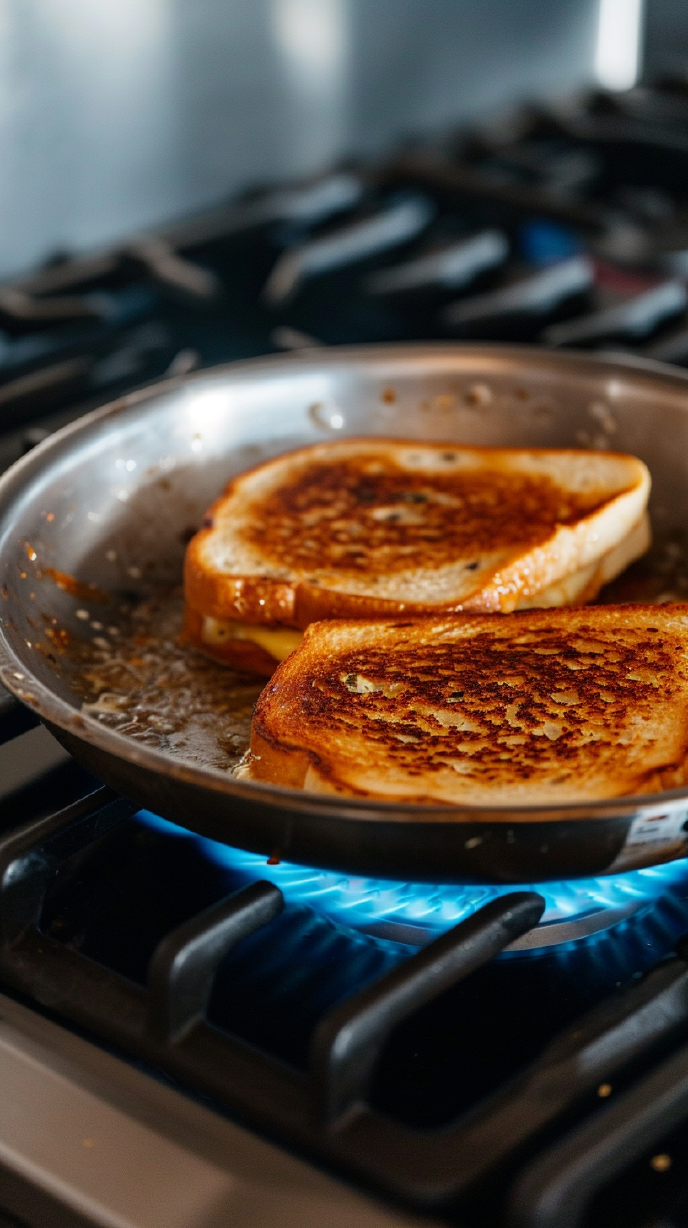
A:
(277, 641)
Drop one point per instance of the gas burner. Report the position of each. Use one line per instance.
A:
(413, 914)
(549, 933)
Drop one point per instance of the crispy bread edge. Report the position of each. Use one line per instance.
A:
(265, 602)
(262, 600)
(567, 551)
(276, 763)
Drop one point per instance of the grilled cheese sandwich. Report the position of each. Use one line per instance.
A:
(541, 707)
(366, 528)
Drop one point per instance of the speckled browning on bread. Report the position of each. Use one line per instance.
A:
(542, 706)
(368, 528)
(358, 515)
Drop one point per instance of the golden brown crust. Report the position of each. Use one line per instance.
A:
(282, 765)
(542, 706)
(340, 530)
(366, 513)
(254, 598)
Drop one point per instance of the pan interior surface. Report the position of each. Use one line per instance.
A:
(98, 517)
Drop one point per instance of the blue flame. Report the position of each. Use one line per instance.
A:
(422, 910)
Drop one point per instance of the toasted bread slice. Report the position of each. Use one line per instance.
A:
(541, 707)
(381, 528)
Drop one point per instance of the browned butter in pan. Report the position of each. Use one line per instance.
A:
(140, 679)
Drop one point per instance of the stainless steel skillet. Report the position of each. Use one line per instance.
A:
(107, 500)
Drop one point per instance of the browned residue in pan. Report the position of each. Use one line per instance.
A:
(140, 678)
(58, 637)
(76, 588)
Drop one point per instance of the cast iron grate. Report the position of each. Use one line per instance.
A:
(324, 1111)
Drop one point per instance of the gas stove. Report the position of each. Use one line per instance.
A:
(195, 1035)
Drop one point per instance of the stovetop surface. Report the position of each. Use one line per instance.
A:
(280, 981)
(541, 1084)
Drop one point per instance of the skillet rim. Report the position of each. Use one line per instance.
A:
(52, 709)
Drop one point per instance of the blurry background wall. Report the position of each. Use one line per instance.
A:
(666, 37)
(116, 114)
